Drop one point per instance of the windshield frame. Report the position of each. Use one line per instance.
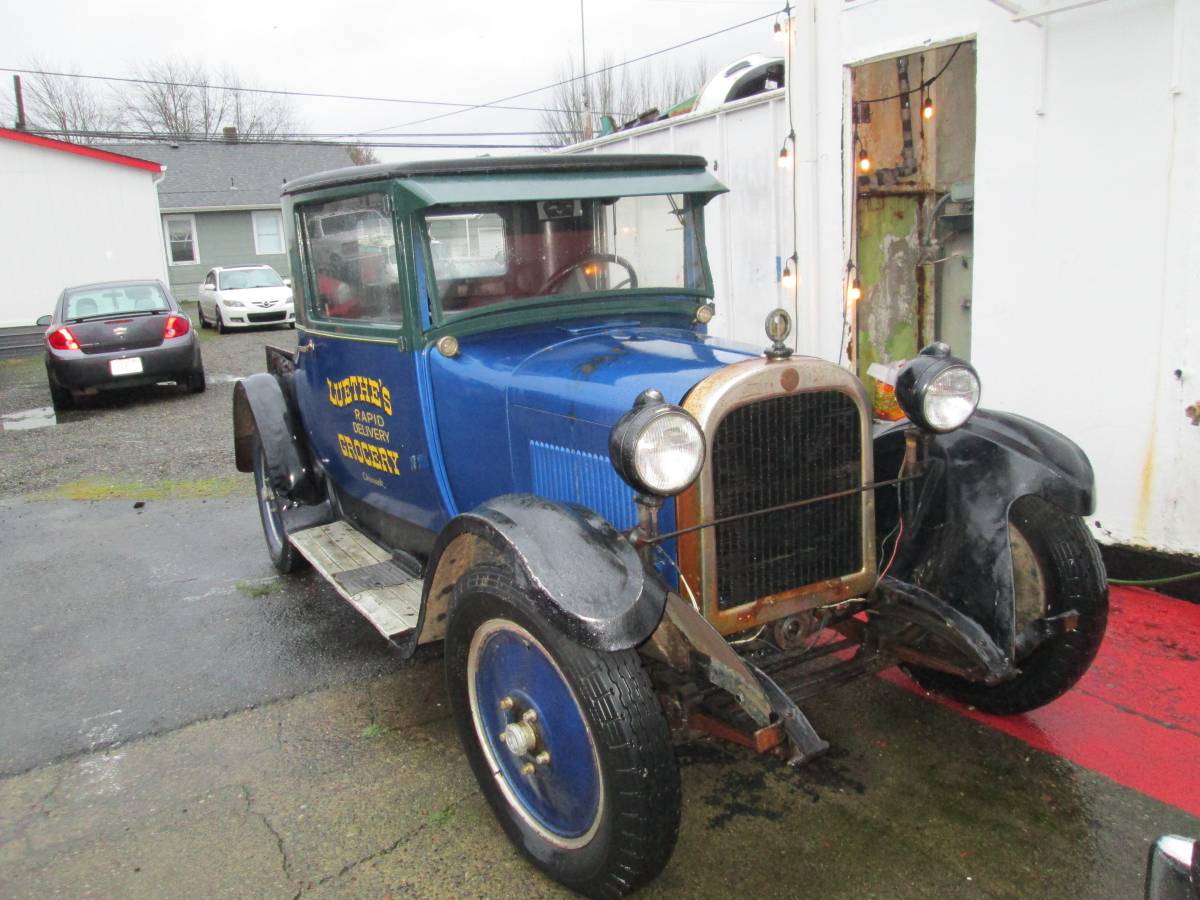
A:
(666, 298)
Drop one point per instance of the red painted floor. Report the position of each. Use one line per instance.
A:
(1135, 716)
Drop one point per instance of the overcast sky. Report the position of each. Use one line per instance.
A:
(469, 52)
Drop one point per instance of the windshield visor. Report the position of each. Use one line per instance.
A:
(114, 300)
(487, 254)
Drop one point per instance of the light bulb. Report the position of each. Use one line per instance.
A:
(854, 292)
(864, 161)
(927, 108)
(785, 157)
(789, 275)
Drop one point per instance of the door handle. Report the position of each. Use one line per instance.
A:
(306, 347)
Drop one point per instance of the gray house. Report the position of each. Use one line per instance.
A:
(220, 202)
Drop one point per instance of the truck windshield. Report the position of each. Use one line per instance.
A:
(485, 254)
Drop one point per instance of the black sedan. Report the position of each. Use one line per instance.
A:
(118, 334)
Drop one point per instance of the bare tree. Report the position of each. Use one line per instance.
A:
(362, 155)
(575, 109)
(65, 104)
(178, 98)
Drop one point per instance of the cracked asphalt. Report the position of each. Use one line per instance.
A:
(175, 721)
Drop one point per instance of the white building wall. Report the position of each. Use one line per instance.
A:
(67, 220)
(1086, 206)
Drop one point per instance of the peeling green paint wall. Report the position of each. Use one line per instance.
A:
(888, 249)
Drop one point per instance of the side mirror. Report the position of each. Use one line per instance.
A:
(287, 281)
(1173, 870)
(44, 321)
(205, 286)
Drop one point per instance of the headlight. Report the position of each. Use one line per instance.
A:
(231, 303)
(937, 391)
(656, 448)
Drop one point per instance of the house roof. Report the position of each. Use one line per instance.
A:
(217, 174)
(100, 153)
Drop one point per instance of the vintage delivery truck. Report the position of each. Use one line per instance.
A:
(505, 428)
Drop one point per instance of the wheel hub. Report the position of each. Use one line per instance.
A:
(519, 738)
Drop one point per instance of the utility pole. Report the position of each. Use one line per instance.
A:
(587, 103)
(20, 103)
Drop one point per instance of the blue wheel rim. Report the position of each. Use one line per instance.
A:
(561, 798)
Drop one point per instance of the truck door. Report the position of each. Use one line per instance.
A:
(356, 374)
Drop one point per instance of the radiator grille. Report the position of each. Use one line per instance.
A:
(776, 451)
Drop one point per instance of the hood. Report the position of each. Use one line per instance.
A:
(259, 294)
(594, 371)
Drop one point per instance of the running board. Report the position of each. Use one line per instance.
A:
(365, 574)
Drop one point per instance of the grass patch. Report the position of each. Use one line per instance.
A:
(441, 817)
(374, 730)
(106, 489)
(260, 588)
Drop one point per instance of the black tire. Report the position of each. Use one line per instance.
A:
(283, 555)
(220, 325)
(1068, 574)
(634, 821)
(195, 382)
(61, 398)
(200, 315)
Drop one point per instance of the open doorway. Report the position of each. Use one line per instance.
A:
(912, 231)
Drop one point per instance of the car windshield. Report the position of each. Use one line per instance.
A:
(491, 253)
(114, 300)
(239, 279)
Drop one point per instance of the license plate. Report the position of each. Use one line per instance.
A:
(126, 366)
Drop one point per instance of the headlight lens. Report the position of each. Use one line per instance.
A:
(937, 391)
(669, 452)
(657, 448)
(231, 303)
(951, 398)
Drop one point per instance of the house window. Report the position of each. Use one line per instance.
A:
(268, 232)
(180, 232)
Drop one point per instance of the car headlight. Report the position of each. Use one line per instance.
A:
(231, 303)
(937, 391)
(657, 448)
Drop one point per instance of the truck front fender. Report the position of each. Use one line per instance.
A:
(955, 542)
(262, 413)
(578, 570)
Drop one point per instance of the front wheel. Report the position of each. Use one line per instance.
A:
(283, 555)
(1056, 568)
(220, 325)
(568, 744)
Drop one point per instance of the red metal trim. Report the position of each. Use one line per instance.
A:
(761, 741)
(81, 150)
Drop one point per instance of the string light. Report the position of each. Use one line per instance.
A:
(785, 152)
(789, 272)
(854, 291)
(927, 107)
(864, 160)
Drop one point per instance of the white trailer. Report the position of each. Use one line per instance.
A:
(1085, 246)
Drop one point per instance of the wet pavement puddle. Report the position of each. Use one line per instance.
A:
(26, 419)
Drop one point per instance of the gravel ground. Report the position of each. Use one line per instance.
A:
(156, 441)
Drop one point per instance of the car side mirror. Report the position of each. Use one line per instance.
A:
(44, 321)
(287, 282)
(206, 287)
(1173, 871)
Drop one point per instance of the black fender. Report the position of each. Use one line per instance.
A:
(577, 569)
(955, 542)
(263, 411)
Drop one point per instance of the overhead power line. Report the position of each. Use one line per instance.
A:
(282, 93)
(157, 138)
(495, 104)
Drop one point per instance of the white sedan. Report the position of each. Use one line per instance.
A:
(242, 296)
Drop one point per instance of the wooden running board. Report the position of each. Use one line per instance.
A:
(364, 574)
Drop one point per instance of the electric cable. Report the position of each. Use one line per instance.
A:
(600, 71)
(924, 84)
(1150, 582)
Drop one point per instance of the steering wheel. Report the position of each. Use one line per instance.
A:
(555, 281)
